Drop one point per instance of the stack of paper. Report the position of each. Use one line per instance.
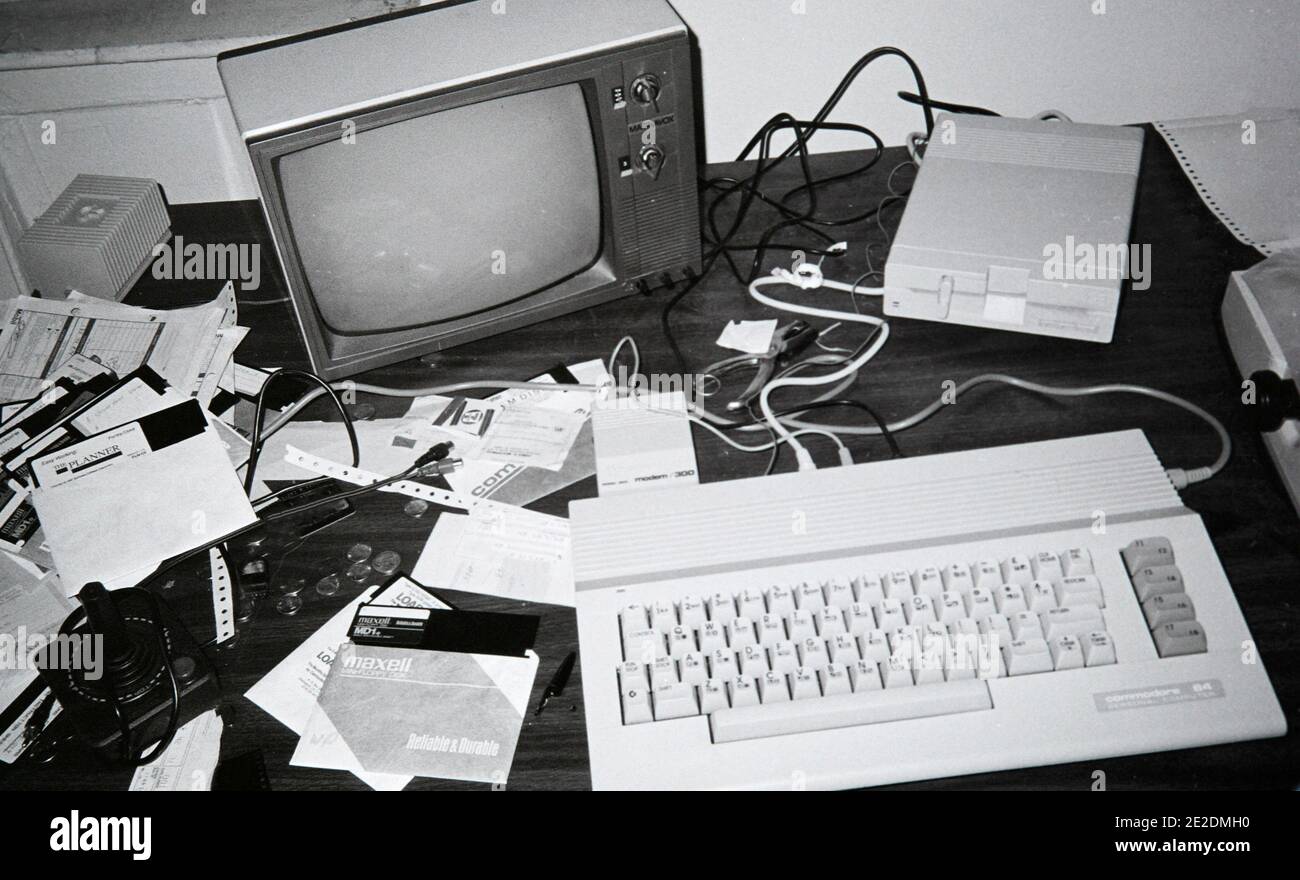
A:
(190, 348)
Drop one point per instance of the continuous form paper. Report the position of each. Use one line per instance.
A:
(37, 336)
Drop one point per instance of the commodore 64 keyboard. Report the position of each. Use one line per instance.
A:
(916, 618)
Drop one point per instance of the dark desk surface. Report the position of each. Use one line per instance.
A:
(1168, 336)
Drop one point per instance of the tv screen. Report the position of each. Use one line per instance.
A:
(438, 216)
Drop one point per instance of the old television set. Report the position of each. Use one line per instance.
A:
(450, 172)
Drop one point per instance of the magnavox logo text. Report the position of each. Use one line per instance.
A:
(78, 833)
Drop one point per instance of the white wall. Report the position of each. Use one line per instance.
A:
(157, 109)
(1140, 60)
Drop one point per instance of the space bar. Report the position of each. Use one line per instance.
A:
(849, 710)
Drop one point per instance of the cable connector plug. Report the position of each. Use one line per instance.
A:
(439, 468)
(437, 452)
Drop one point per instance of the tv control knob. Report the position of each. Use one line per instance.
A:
(1276, 401)
(645, 88)
(652, 159)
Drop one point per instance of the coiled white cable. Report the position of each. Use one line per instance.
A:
(808, 276)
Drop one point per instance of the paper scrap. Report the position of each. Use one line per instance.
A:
(751, 337)
(32, 608)
(189, 760)
(500, 550)
(531, 435)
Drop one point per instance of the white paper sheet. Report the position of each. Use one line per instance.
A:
(500, 550)
(188, 762)
(750, 337)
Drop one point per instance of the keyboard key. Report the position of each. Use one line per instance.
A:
(740, 633)
(751, 604)
(1047, 567)
(996, 625)
(783, 657)
(839, 594)
(864, 676)
(1028, 656)
(929, 664)
(1147, 552)
(663, 616)
(633, 675)
(681, 641)
(692, 669)
(800, 625)
(674, 701)
(957, 578)
(742, 691)
(1082, 589)
(711, 637)
(1157, 580)
(897, 671)
(692, 613)
(890, 616)
(849, 710)
(753, 661)
(1071, 621)
(643, 645)
(1182, 637)
(834, 680)
(663, 671)
(771, 629)
(1098, 649)
(780, 600)
(1067, 653)
(1017, 570)
(809, 597)
(869, 589)
(634, 618)
(1041, 596)
(987, 574)
(722, 608)
(812, 654)
(1077, 561)
(1168, 608)
(899, 585)
(860, 619)
(981, 603)
(830, 622)
(951, 607)
(1025, 625)
(722, 664)
(874, 646)
(713, 696)
(919, 610)
(929, 582)
(803, 684)
(773, 689)
(844, 650)
(636, 705)
(958, 662)
(1009, 599)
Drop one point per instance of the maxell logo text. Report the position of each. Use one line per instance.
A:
(103, 834)
(375, 664)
